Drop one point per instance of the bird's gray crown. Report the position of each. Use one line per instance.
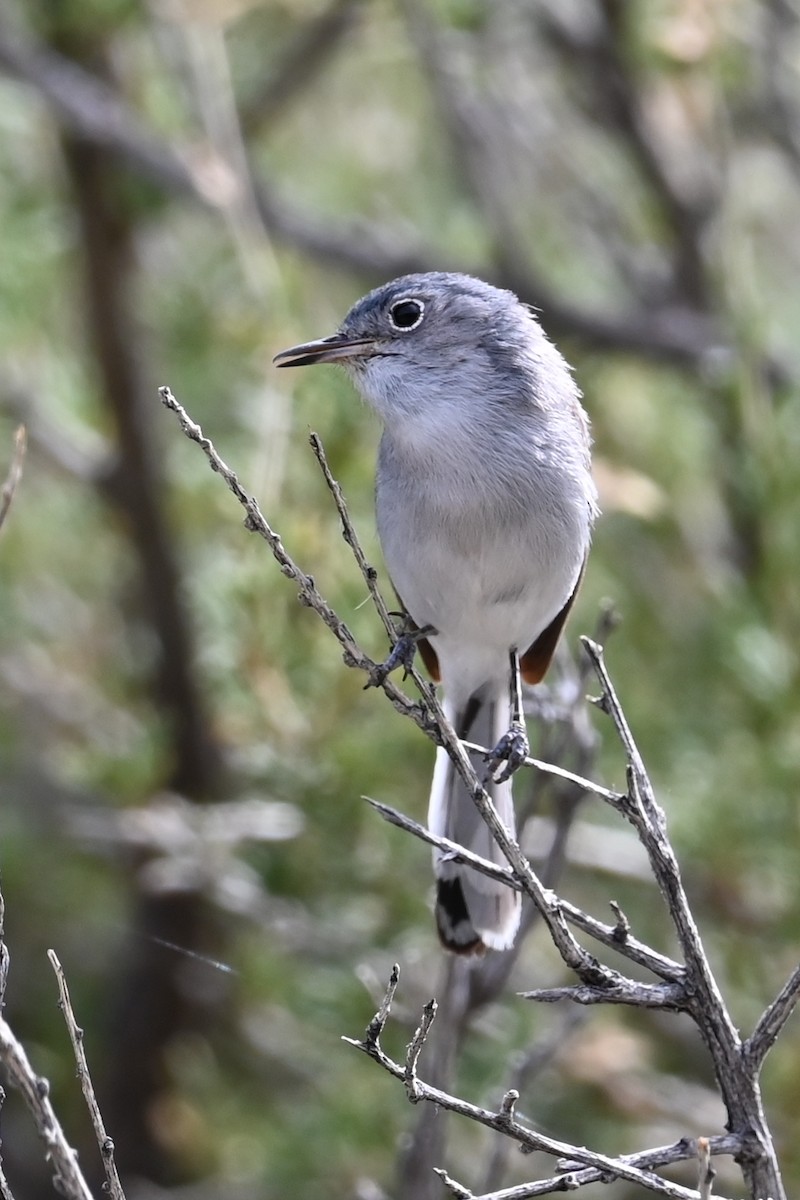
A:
(449, 308)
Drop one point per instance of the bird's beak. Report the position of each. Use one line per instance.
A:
(324, 350)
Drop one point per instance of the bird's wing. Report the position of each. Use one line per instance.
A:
(534, 662)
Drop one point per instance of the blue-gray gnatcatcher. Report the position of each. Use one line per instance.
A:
(485, 504)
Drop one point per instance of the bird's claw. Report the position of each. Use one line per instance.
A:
(401, 655)
(512, 749)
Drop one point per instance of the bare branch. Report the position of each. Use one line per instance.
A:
(650, 823)
(14, 473)
(696, 992)
(452, 1186)
(378, 1022)
(669, 996)
(572, 1176)
(737, 1079)
(505, 1121)
(414, 1050)
(772, 1021)
(308, 593)
(113, 1185)
(615, 799)
(351, 537)
(5, 1190)
(319, 36)
(3, 953)
(35, 1092)
(630, 948)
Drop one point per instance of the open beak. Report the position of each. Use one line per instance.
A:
(324, 350)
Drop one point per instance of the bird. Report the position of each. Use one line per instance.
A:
(485, 504)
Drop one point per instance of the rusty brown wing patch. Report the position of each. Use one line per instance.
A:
(534, 662)
(430, 659)
(427, 652)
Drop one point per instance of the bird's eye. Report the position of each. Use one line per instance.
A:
(406, 314)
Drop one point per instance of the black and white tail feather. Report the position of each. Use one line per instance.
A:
(473, 912)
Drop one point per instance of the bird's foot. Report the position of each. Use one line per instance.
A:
(401, 655)
(512, 749)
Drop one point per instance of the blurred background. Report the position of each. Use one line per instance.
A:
(188, 186)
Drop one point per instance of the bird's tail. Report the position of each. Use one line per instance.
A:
(473, 912)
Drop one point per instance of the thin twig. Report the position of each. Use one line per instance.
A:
(455, 1189)
(377, 1025)
(308, 593)
(368, 572)
(414, 1050)
(772, 1021)
(708, 1172)
(351, 537)
(571, 1176)
(505, 1121)
(3, 953)
(666, 968)
(113, 1185)
(35, 1092)
(525, 1067)
(14, 473)
(5, 1190)
(614, 799)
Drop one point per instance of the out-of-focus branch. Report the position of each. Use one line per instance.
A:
(312, 47)
(601, 50)
(151, 1004)
(474, 132)
(108, 260)
(14, 473)
(95, 111)
(87, 106)
(776, 110)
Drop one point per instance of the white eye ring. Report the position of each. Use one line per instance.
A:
(398, 319)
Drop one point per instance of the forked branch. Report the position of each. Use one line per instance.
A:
(577, 1166)
(687, 985)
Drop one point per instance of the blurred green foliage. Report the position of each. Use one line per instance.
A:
(698, 460)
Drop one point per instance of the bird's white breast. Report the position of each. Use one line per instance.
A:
(484, 538)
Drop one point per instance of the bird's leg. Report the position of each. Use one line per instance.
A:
(513, 747)
(402, 652)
